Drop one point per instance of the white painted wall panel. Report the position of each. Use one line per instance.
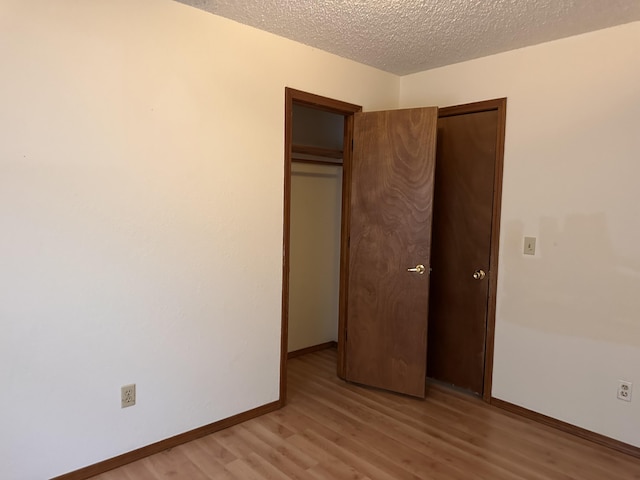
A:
(316, 200)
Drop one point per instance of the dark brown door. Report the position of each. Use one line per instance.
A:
(462, 225)
(390, 232)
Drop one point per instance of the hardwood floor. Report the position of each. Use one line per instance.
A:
(334, 430)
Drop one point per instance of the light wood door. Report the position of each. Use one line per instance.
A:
(462, 236)
(390, 231)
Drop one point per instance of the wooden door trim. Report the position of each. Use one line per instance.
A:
(500, 105)
(330, 105)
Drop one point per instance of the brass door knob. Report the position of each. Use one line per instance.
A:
(479, 274)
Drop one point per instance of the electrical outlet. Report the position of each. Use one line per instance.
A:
(128, 396)
(624, 390)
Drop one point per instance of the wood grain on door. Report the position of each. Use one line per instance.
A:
(391, 213)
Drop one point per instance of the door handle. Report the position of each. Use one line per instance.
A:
(419, 269)
(479, 274)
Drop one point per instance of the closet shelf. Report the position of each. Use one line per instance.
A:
(317, 151)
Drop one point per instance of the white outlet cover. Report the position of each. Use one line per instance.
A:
(128, 395)
(624, 390)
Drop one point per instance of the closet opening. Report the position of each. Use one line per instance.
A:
(318, 138)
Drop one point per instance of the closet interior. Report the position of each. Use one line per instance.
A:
(316, 203)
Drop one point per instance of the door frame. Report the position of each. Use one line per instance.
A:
(499, 105)
(326, 104)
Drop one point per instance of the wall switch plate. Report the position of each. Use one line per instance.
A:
(128, 396)
(529, 245)
(624, 390)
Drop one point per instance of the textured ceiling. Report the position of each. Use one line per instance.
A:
(407, 36)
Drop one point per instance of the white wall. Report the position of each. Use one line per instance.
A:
(314, 282)
(568, 319)
(141, 186)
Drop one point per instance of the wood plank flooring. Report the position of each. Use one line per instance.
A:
(334, 430)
